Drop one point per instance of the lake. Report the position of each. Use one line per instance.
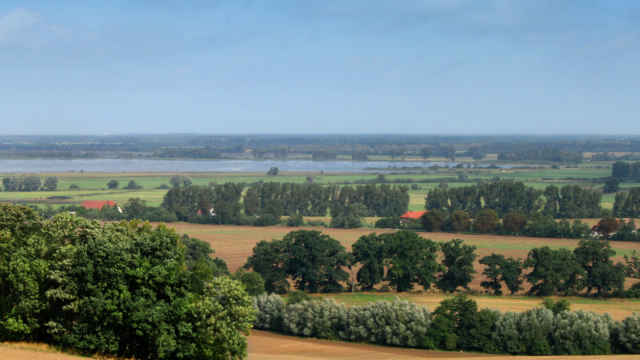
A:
(143, 165)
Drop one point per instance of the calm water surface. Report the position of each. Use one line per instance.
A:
(138, 165)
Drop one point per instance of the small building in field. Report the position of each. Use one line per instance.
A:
(411, 216)
(99, 204)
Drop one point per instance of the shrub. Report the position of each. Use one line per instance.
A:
(252, 281)
(74, 187)
(581, 333)
(626, 335)
(525, 333)
(295, 220)
(388, 223)
(297, 296)
(556, 306)
(267, 220)
(320, 319)
(433, 220)
(270, 309)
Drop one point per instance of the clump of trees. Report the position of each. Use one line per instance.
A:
(121, 289)
(29, 183)
(546, 153)
(570, 201)
(456, 324)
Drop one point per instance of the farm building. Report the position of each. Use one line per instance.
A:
(411, 216)
(99, 204)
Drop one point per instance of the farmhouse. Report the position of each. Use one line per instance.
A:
(411, 216)
(99, 204)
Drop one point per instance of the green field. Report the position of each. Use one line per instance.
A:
(92, 186)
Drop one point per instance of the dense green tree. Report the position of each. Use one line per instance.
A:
(252, 281)
(600, 273)
(511, 274)
(369, 251)
(459, 221)
(180, 180)
(133, 185)
(554, 271)
(119, 289)
(458, 261)
(486, 221)
(493, 271)
(50, 183)
(270, 260)
(315, 261)
(611, 186)
(411, 260)
(113, 184)
(433, 220)
(620, 170)
(514, 223)
(30, 183)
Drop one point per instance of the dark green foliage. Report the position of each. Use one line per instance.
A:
(113, 184)
(459, 221)
(295, 221)
(514, 223)
(315, 261)
(269, 259)
(369, 251)
(433, 220)
(180, 180)
(627, 204)
(120, 289)
(50, 183)
(503, 197)
(267, 220)
(511, 274)
(456, 325)
(556, 306)
(297, 296)
(74, 187)
(133, 185)
(486, 221)
(252, 281)
(633, 265)
(458, 261)
(611, 186)
(411, 259)
(554, 271)
(492, 271)
(388, 223)
(349, 216)
(273, 171)
(594, 256)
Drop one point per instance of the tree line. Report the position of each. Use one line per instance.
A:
(315, 262)
(29, 183)
(456, 324)
(542, 154)
(569, 201)
(123, 289)
(224, 204)
(623, 170)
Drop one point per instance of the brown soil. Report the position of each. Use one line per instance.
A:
(270, 346)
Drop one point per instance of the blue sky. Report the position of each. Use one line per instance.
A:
(333, 66)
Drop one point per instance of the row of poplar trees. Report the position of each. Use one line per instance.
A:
(570, 201)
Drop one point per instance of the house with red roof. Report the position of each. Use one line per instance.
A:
(412, 215)
(99, 204)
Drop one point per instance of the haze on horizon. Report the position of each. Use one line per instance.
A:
(333, 66)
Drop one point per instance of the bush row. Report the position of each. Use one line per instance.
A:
(455, 325)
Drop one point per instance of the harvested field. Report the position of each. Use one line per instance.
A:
(28, 351)
(235, 243)
(270, 346)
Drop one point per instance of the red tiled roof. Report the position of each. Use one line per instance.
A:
(97, 204)
(412, 215)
